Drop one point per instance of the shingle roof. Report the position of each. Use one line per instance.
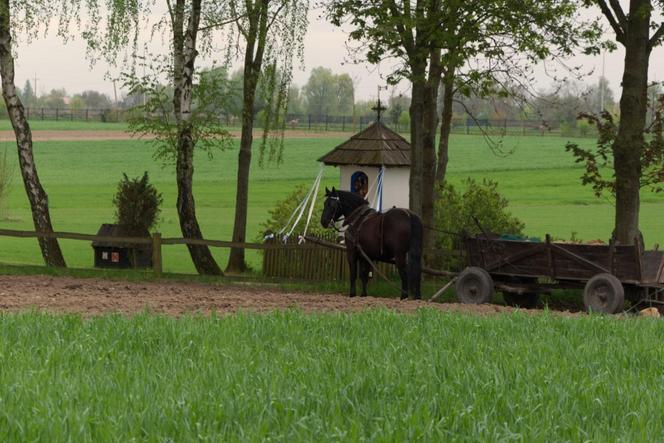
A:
(376, 145)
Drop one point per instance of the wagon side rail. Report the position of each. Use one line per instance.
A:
(565, 261)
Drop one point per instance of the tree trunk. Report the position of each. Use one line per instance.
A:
(445, 128)
(41, 217)
(430, 124)
(629, 142)
(416, 112)
(184, 57)
(236, 260)
(253, 62)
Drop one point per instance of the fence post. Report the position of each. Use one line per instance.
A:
(310, 122)
(343, 123)
(156, 253)
(57, 114)
(86, 114)
(326, 119)
(42, 113)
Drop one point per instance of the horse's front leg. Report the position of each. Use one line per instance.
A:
(352, 265)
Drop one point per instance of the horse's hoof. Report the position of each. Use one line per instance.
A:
(351, 295)
(404, 297)
(363, 295)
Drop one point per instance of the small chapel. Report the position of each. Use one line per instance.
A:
(374, 163)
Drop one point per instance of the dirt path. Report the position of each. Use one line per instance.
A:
(8, 136)
(97, 296)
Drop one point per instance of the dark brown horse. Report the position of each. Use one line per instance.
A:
(394, 237)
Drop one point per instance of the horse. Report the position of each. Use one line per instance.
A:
(393, 237)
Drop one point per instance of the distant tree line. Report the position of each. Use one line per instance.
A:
(328, 94)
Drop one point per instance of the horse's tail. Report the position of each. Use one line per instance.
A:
(415, 255)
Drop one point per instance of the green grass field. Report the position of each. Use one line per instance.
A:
(539, 178)
(371, 376)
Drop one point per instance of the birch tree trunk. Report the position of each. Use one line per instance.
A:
(50, 247)
(184, 57)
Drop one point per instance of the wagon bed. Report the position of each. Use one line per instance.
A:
(526, 268)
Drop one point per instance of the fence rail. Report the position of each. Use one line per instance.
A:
(318, 259)
(156, 242)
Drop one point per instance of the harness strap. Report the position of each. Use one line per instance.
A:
(357, 214)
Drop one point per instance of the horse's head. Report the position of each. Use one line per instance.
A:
(332, 210)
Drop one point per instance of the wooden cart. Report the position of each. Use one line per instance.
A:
(521, 270)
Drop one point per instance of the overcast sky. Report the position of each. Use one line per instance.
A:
(56, 65)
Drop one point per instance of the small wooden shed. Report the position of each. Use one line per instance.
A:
(120, 254)
(361, 158)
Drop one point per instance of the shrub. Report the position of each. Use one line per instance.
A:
(584, 127)
(137, 204)
(568, 129)
(456, 212)
(284, 209)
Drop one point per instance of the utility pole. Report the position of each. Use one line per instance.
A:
(36, 93)
(115, 92)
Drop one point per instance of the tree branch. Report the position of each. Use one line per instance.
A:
(494, 146)
(222, 23)
(606, 10)
(620, 14)
(276, 15)
(406, 33)
(657, 36)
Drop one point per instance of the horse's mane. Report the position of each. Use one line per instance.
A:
(351, 198)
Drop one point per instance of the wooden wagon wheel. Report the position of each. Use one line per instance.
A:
(474, 286)
(528, 300)
(604, 293)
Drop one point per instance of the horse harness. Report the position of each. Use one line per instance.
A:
(358, 218)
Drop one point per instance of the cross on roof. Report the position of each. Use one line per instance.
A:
(379, 108)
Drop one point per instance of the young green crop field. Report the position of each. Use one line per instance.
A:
(375, 375)
(539, 178)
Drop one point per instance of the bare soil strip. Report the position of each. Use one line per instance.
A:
(96, 296)
(103, 135)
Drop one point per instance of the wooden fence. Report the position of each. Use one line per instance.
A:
(157, 242)
(312, 260)
(317, 262)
